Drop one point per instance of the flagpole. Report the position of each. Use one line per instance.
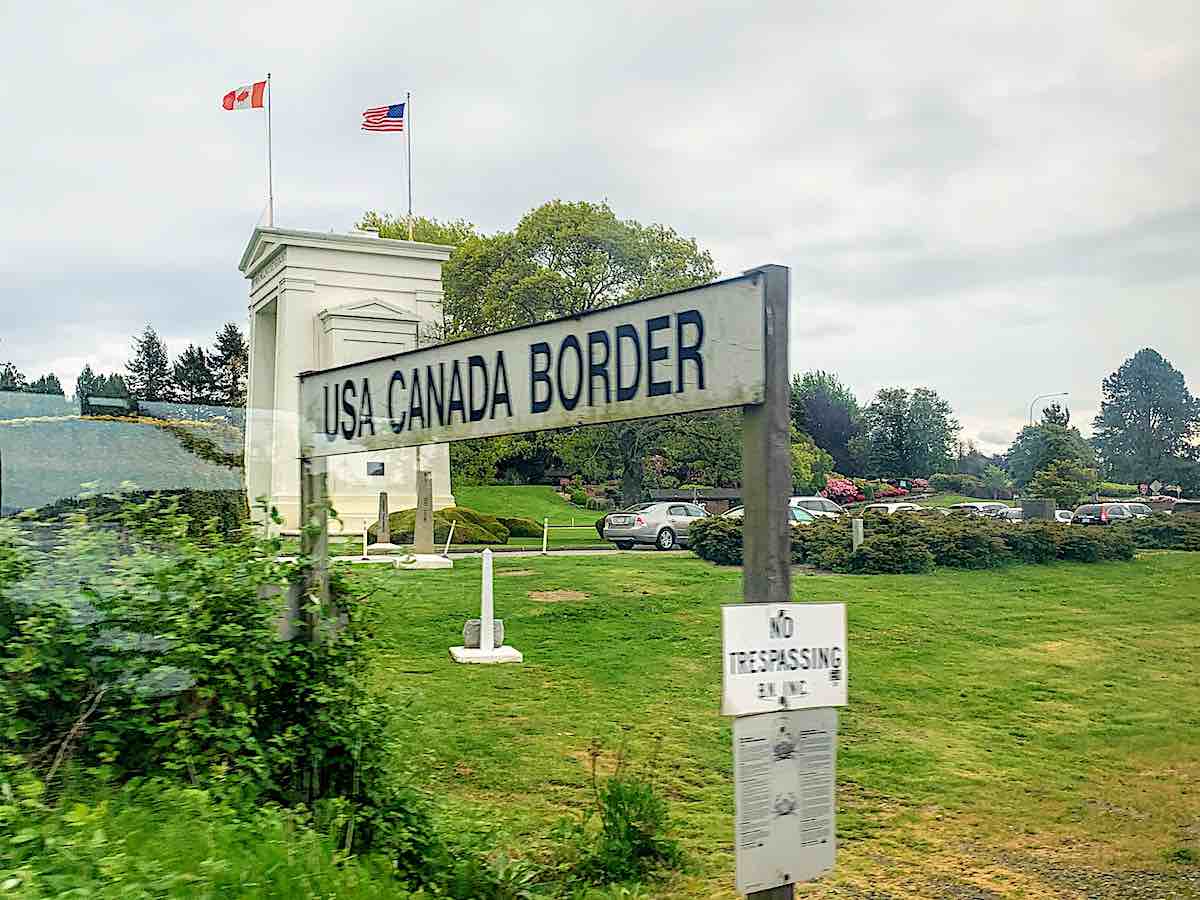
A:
(270, 173)
(408, 128)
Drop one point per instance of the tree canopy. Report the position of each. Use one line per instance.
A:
(827, 411)
(907, 434)
(1037, 446)
(563, 259)
(1148, 419)
(149, 370)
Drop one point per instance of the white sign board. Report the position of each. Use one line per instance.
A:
(690, 350)
(782, 656)
(783, 765)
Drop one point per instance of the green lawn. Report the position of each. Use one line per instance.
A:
(1032, 731)
(534, 501)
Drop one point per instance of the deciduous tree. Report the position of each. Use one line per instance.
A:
(1037, 446)
(907, 434)
(1056, 414)
(1067, 481)
(827, 411)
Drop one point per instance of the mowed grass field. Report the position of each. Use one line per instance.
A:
(535, 502)
(1027, 732)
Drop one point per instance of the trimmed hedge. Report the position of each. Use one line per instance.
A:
(471, 526)
(1164, 532)
(904, 543)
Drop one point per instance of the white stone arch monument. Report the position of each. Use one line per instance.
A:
(319, 300)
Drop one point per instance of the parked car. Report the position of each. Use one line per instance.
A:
(821, 507)
(981, 508)
(1062, 515)
(796, 515)
(1011, 514)
(665, 525)
(888, 509)
(1102, 514)
(1140, 510)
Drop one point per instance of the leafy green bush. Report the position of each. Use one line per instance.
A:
(579, 497)
(1115, 489)
(139, 649)
(891, 553)
(717, 539)
(1034, 542)
(521, 527)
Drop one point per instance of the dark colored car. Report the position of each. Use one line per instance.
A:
(1186, 508)
(1102, 514)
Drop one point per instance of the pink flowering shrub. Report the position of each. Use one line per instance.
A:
(841, 490)
(890, 490)
(920, 484)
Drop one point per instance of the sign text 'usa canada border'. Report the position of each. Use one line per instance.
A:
(687, 351)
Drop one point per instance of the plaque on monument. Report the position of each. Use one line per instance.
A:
(471, 633)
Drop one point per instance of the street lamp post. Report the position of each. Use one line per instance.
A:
(1033, 403)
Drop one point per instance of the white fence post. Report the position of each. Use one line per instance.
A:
(545, 536)
(449, 538)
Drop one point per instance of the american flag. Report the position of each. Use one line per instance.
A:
(384, 118)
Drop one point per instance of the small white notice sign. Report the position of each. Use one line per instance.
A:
(784, 766)
(780, 656)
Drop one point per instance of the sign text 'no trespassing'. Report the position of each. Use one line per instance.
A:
(682, 352)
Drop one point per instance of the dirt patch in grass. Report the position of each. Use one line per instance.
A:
(502, 572)
(556, 596)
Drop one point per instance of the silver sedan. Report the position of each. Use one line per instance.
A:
(665, 525)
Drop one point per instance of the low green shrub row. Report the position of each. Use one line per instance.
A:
(1164, 532)
(913, 543)
(1115, 489)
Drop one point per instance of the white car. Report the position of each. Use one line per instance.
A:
(985, 508)
(888, 509)
(821, 507)
(1011, 514)
(1063, 515)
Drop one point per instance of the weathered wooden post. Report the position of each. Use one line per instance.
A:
(766, 445)
(314, 539)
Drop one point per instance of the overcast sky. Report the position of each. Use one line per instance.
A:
(991, 200)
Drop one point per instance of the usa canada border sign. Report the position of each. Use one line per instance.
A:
(691, 350)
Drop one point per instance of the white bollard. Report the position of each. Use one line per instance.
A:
(545, 536)
(449, 538)
(856, 533)
(487, 627)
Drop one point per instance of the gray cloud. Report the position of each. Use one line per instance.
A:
(991, 201)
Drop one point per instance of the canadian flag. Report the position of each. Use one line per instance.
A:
(250, 96)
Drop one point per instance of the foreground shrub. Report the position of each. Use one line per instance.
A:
(955, 483)
(625, 835)
(717, 539)
(891, 554)
(201, 508)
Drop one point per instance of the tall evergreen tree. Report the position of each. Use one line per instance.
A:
(85, 384)
(1148, 419)
(191, 377)
(907, 434)
(1056, 414)
(229, 362)
(11, 378)
(47, 384)
(150, 369)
